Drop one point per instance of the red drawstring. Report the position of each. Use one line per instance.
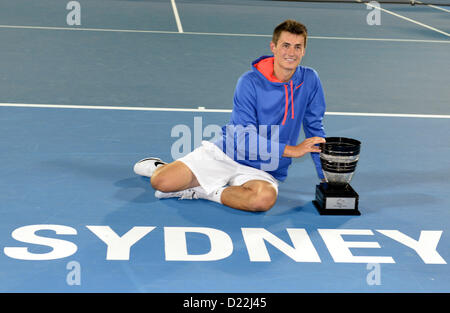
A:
(292, 100)
(287, 102)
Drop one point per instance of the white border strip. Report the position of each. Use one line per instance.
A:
(210, 34)
(177, 16)
(203, 110)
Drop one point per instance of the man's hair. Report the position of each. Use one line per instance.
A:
(292, 27)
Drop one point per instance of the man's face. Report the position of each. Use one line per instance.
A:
(289, 50)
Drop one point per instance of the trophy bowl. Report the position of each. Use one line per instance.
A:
(338, 157)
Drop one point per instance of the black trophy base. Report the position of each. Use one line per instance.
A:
(334, 199)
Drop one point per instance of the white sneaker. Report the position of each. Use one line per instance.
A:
(146, 167)
(187, 194)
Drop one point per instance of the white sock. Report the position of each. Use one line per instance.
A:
(214, 196)
(192, 193)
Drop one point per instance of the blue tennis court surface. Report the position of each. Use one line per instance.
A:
(80, 107)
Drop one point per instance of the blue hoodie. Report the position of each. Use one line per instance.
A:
(267, 116)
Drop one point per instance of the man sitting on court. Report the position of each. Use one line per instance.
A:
(270, 103)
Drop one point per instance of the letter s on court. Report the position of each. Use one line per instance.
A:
(27, 234)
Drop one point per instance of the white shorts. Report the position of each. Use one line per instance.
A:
(214, 169)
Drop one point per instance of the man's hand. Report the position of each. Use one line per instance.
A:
(308, 145)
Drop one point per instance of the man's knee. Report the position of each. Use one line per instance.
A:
(161, 182)
(263, 200)
(173, 177)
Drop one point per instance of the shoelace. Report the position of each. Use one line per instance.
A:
(188, 195)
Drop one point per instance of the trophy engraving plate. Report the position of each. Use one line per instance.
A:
(340, 203)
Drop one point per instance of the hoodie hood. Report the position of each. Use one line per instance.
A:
(264, 66)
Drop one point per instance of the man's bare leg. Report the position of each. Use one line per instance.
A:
(174, 176)
(253, 196)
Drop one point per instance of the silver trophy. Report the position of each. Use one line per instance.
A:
(336, 196)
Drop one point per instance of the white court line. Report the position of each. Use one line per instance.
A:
(382, 39)
(407, 19)
(202, 110)
(177, 16)
(210, 34)
(438, 8)
(434, 7)
(389, 114)
(89, 29)
(120, 108)
(323, 37)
